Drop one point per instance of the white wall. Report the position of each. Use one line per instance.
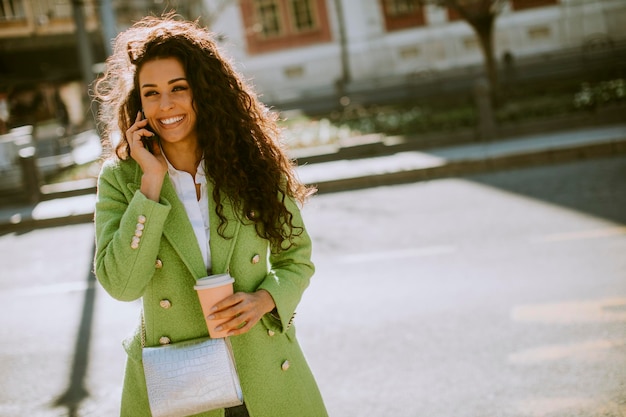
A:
(376, 56)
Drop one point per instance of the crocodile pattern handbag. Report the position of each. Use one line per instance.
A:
(191, 377)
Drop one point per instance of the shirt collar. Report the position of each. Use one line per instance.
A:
(175, 173)
(200, 173)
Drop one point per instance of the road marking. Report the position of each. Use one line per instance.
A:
(543, 406)
(581, 235)
(589, 350)
(396, 254)
(606, 310)
(60, 288)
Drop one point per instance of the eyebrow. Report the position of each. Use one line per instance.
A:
(169, 82)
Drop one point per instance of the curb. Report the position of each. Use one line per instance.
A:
(27, 224)
(462, 167)
(77, 210)
(61, 211)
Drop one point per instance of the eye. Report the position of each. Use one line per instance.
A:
(180, 88)
(149, 93)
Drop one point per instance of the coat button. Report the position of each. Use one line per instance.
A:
(141, 219)
(270, 333)
(164, 340)
(158, 264)
(285, 365)
(165, 303)
(255, 259)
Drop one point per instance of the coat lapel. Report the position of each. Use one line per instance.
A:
(221, 247)
(179, 232)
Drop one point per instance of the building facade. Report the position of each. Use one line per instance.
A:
(50, 51)
(294, 51)
(298, 49)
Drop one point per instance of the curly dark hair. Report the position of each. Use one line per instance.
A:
(239, 136)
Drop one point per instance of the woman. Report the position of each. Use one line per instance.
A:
(198, 186)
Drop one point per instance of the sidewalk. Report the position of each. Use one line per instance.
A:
(65, 204)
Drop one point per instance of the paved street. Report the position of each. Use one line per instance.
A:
(499, 295)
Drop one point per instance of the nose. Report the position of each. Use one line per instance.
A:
(166, 102)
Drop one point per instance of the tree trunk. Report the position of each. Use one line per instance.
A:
(484, 31)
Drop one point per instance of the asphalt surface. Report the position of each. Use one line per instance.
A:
(383, 163)
(499, 294)
(493, 295)
(504, 319)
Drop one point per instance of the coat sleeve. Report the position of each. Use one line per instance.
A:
(124, 216)
(290, 271)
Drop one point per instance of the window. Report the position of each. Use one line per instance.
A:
(402, 14)
(268, 16)
(528, 4)
(11, 10)
(279, 24)
(303, 18)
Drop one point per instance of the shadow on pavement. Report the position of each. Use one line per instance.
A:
(596, 187)
(76, 391)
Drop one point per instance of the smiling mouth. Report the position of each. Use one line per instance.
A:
(171, 120)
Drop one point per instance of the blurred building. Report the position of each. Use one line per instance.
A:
(297, 52)
(302, 52)
(43, 85)
(40, 57)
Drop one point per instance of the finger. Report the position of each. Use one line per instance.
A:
(237, 325)
(143, 132)
(233, 312)
(135, 135)
(227, 303)
(239, 315)
(245, 327)
(139, 123)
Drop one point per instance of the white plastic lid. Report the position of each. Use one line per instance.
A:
(213, 281)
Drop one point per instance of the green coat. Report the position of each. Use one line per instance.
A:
(161, 270)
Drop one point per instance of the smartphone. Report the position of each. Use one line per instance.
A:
(149, 142)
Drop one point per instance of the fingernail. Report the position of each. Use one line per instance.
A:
(213, 308)
(218, 329)
(211, 317)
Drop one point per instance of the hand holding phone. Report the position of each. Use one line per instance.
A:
(152, 163)
(148, 141)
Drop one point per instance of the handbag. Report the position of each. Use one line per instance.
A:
(190, 377)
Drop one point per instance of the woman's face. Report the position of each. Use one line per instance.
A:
(167, 100)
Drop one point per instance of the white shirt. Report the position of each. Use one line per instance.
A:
(197, 210)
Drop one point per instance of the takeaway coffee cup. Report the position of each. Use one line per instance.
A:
(211, 290)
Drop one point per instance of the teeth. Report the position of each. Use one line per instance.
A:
(171, 120)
